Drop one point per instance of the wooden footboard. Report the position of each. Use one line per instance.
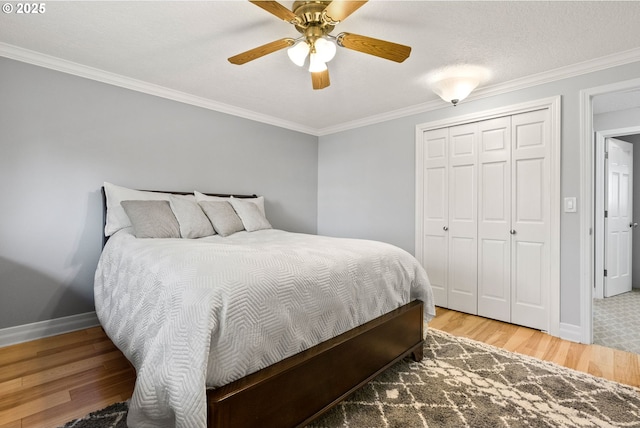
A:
(295, 391)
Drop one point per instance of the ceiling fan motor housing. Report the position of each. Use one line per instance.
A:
(310, 20)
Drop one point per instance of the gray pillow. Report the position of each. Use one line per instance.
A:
(192, 220)
(152, 219)
(222, 216)
(252, 217)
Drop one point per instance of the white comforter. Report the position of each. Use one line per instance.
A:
(191, 314)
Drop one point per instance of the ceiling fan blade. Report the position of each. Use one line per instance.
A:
(339, 10)
(320, 79)
(376, 47)
(275, 8)
(263, 50)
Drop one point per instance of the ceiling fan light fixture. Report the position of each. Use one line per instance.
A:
(325, 49)
(316, 64)
(315, 20)
(298, 53)
(454, 84)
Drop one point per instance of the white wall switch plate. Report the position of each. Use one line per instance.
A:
(570, 204)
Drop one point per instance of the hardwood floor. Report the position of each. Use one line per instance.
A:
(50, 381)
(612, 364)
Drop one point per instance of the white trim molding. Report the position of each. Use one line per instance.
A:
(570, 332)
(69, 67)
(58, 64)
(553, 104)
(38, 330)
(591, 66)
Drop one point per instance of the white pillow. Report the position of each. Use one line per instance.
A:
(259, 201)
(116, 217)
(192, 220)
(250, 214)
(201, 197)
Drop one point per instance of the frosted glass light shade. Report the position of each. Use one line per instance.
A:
(454, 89)
(454, 83)
(298, 53)
(325, 49)
(316, 64)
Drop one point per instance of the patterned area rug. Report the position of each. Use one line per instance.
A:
(463, 383)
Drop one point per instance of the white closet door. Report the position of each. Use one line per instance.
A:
(494, 219)
(436, 214)
(530, 211)
(463, 225)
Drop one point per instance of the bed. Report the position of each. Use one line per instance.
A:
(257, 327)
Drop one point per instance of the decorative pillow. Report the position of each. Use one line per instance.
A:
(192, 220)
(222, 216)
(116, 217)
(252, 218)
(259, 201)
(201, 197)
(152, 219)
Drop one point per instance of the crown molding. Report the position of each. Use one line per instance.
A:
(53, 63)
(609, 61)
(69, 67)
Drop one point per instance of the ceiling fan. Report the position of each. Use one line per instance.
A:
(315, 20)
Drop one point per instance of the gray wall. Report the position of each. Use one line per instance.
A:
(62, 136)
(366, 176)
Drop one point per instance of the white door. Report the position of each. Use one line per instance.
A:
(494, 219)
(530, 218)
(619, 218)
(463, 225)
(436, 213)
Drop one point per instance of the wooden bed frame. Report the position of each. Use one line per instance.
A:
(295, 391)
(298, 389)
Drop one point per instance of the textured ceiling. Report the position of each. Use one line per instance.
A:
(184, 46)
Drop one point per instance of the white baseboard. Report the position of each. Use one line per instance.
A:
(571, 332)
(38, 330)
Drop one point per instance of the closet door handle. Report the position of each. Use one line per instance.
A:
(445, 228)
(512, 231)
(633, 225)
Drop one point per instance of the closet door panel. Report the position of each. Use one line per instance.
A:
(463, 275)
(435, 239)
(530, 218)
(494, 281)
(494, 219)
(436, 212)
(529, 260)
(462, 281)
(435, 264)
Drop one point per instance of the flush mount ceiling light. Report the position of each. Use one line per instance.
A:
(453, 84)
(315, 20)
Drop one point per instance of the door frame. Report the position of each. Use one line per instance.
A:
(588, 200)
(551, 103)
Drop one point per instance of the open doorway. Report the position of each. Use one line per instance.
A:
(616, 294)
(616, 297)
